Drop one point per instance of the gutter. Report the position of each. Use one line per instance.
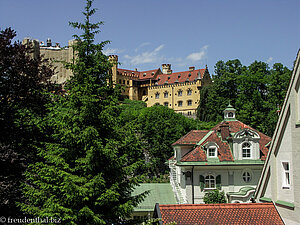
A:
(193, 185)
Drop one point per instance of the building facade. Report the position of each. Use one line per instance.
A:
(280, 179)
(56, 56)
(229, 157)
(179, 91)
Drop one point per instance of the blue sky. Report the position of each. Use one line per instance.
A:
(146, 34)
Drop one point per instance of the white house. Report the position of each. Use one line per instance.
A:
(280, 179)
(229, 157)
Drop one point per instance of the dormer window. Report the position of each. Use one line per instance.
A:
(212, 152)
(246, 150)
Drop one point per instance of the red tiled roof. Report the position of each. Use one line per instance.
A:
(236, 126)
(191, 138)
(224, 152)
(211, 214)
(196, 155)
(140, 75)
(125, 72)
(179, 77)
(150, 74)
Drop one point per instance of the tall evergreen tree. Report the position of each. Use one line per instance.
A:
(86, 167)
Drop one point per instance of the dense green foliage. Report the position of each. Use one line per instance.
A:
(22, 84)
(157, 128)
(255, 91)
(86, 167)
(214, 197)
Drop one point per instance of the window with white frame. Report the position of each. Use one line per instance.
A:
(212, 152)
(246, 150)
(166, 94)
(210, 181)
(157, 95)
(286, 183)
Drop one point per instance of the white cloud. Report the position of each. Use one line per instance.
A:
(270, 59)
(111, 51)
(146, 57)
(198, 56)
(141, 46)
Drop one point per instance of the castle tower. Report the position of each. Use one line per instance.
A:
(113, 59)
(33, 45)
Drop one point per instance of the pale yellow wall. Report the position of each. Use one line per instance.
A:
(173, 97)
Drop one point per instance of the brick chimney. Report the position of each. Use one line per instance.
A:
(224, 129)
(191, 68)
(166, 68)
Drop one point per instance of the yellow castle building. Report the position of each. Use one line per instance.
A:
(179, 91)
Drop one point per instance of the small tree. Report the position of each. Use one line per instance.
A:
(214, 197)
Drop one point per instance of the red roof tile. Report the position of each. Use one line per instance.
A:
(191, 138)
(180, 77)
(234, 213)
(196, 155)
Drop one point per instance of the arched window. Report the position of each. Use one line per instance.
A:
(157, 95)
(230, 115)
(210, 181)
(246, 150)
(166, 94)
